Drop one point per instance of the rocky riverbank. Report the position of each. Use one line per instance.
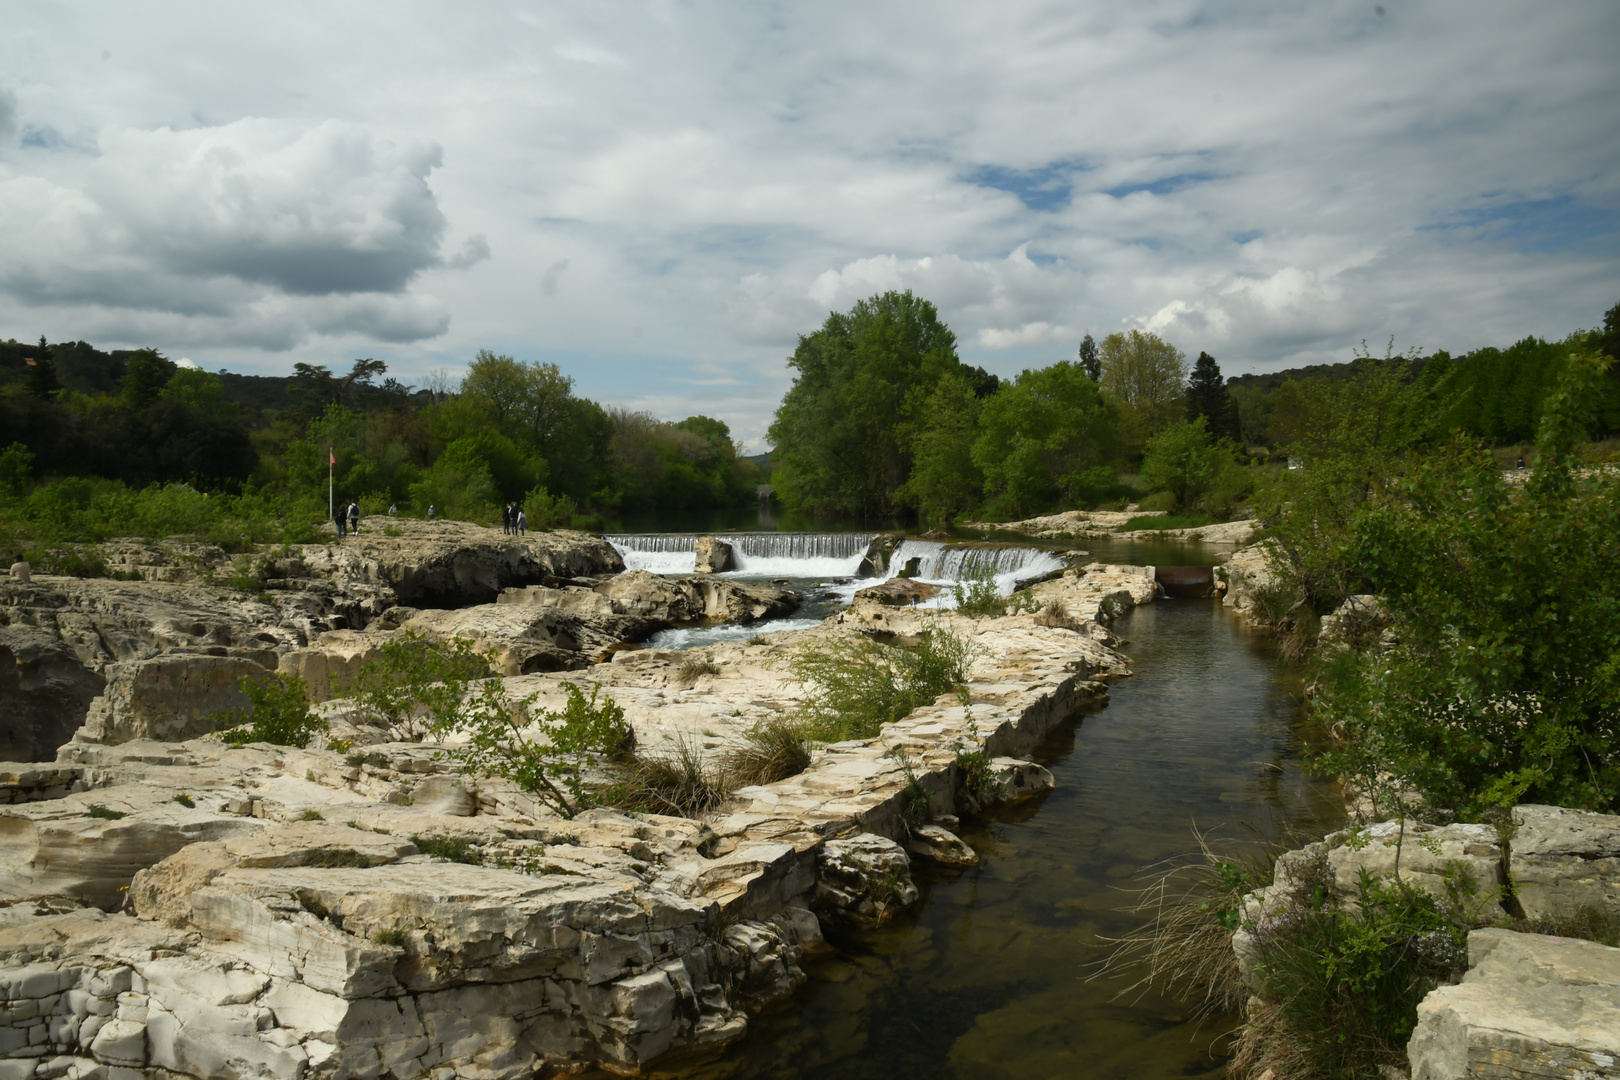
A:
(172, 906)
(1093, 524)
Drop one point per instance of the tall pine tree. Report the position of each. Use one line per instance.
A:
(1207, 397)
(1089, 358)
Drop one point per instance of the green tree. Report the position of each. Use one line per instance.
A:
(196, 389)
(1089, 358)
(1147, 376)
(1181, 460)
(529, 401)
(1047, 436)
(944, 480)
(42, 380)
(1207, 397)
(145, 376)
(1505, 682)
(842, 434)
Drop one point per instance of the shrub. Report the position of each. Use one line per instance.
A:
(415, 686)
(279, 713)
(1340, 988)
(977, 787)
(552, 768)
(311, 814)
(915, 806)
(976, 592)
(676, 781)
(543, 510)
(854, 685)
(693, 667)
(96, 810)
(186, 801)
(450, 848)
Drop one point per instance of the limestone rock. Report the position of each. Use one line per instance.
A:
(713, 556)
(1360, 618)
(941, 846)
(897, 592)
(1563, 860)
(1248, 571)
(45, 690)
(1530, 1006)
(690, 599)
(168, 698)
(1020, 779)
(866, 877)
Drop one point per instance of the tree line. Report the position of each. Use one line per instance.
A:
(82, 432)
(883, 419)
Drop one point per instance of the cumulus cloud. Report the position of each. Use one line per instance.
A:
(8, 115)
(329, 224)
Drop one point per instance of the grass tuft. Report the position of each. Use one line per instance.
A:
(777, 749)
(451, 848)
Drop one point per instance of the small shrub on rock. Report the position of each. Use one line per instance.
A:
(856, 685)
(777, 749)
(279, 713)
(413, 685)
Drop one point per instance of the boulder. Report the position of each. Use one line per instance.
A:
(1361, 618)
(940, 845)
(1563, 860)
(45, 690)
(1020, 779)
(1530, 1006)
(897, 592)
(167, 699)
(694, 598)
(864, 877)
(1246, 572)
(713, 556)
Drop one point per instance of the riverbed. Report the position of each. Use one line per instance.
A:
(987, 976)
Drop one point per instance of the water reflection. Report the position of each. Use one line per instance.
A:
(986, 978)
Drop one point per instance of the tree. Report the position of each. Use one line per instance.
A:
(528, 401)
(42, 380)
(1181, 460)
(1048, 436)
(944, 480)
(1146, 375)
(196, 389)
(1089, 360)
(1207, 397)
(842, 434)
(145, 376)
(1504, 684)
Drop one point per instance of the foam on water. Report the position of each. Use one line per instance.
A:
(797, 555)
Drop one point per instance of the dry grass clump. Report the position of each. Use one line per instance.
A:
(777, 749)
(694, 666)
(1056, 615)
(675, 781)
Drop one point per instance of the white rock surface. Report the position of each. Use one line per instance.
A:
(1564, 860)
(1530, 1006)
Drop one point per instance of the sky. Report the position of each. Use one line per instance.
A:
(660, 197)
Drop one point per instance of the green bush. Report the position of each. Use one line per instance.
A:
(1339, 988)
(414, 686)
(854, 685)
(450, 848)
(279, 713)
(976, 592)
(777, 749)
(552, 767)
(543, 510)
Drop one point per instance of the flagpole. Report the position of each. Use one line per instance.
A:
(331, 507)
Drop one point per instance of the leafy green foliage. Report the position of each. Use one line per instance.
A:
(278, 713)
(976, 591)
(457, 849)
(552, 764)
(843, 431)
(1340, 988)
(1146, 375)
(855, 685)
(1047, 436)
(96, 810)
(944, 480)
(1207, 398)
(1505, 685)
(1181, 460)
(415, 686)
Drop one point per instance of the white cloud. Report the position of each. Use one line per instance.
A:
(1270, 184)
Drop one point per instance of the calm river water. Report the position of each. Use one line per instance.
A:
(986, 978)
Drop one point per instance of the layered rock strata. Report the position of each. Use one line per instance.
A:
(275, 912)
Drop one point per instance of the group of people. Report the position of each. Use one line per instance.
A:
(513, 520)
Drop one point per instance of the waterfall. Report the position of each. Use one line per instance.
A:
(779, 554)
(947, 564)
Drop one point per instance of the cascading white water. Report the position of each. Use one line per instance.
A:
(946, 565)
(785, 554)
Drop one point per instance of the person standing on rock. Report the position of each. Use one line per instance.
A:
(20, 570)
(432, 513)
(339, 518)
(393, 510)
(354, 518)
(522, 522)
(506, 518)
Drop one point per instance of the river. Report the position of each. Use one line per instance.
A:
(986, 977)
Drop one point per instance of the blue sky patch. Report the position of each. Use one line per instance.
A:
(1162, 186)
(1045, 187)
(1539, 226)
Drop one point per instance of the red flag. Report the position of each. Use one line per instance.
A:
(331, 454)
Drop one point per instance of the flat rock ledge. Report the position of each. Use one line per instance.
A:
(178, 908)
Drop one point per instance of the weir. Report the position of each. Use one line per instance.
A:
(782, 554)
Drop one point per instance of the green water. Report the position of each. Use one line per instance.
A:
(986, 978)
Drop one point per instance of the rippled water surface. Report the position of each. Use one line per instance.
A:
(986, 978)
